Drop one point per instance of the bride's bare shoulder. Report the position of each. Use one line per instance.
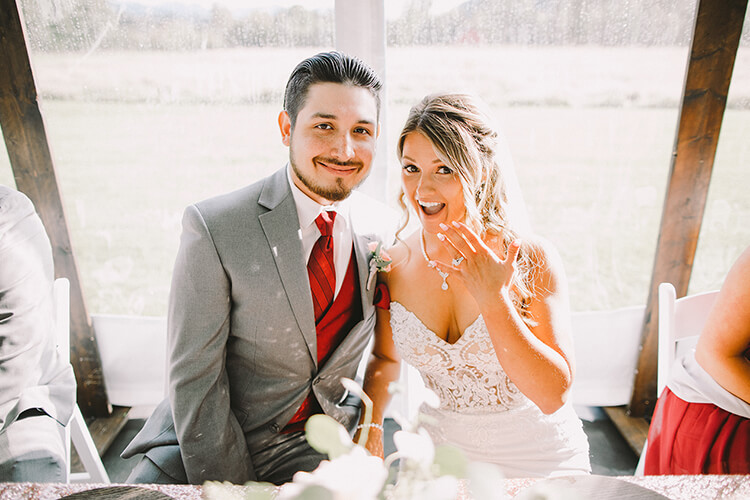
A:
(401, 251)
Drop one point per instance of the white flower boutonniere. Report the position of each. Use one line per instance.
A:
(380, 261)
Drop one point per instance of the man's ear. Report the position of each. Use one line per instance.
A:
(285, 126)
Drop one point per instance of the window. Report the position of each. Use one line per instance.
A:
(150, 108)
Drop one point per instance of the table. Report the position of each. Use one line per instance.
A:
(717, 487)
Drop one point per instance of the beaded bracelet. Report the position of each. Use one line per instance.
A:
(377, 426)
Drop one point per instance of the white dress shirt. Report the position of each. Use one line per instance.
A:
(307, 211)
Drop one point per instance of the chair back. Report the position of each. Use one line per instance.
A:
(61, 295)
(76, 431)
(680, 322)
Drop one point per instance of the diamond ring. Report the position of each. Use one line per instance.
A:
(457, 261)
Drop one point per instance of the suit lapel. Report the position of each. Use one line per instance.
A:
(363, 269)
(279, 225)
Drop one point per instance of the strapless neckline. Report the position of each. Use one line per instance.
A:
(473, 326)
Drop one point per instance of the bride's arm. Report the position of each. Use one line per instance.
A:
(538, 359)
(383, 368)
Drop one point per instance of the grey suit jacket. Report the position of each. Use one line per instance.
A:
(32, 373)
(242, 340)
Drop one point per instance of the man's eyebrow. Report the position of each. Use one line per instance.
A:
(329, 116)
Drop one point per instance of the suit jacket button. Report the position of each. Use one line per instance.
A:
(275, 427)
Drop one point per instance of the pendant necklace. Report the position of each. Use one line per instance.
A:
(431, 264)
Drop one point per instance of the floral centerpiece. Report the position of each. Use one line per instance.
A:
(425, 471)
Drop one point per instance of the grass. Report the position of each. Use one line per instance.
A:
(137, 137)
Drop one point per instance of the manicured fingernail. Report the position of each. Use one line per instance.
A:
(443, 227)
(441, 236)
(456, 224)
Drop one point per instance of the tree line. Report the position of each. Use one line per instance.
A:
(81, 25)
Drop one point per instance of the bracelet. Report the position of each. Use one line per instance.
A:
(376, 426)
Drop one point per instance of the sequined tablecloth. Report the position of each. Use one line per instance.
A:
(675, 487)
(708, 487)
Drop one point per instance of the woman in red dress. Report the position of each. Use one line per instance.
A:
(701, 424)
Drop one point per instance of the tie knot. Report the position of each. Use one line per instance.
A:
(324, 221)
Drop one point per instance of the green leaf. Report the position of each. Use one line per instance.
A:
(326, 435)
(450, 461)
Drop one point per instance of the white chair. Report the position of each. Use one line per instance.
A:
(76, 432)
(680, 323)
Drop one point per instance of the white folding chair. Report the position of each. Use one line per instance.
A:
(680, 323)
(76, 432)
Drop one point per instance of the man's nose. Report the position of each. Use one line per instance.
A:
(343, 147)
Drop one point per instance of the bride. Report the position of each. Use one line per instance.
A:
(482, 314)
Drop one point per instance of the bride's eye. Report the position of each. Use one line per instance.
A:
(410, 169)
(445, 170)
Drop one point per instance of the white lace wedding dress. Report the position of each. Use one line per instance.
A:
(481, 411)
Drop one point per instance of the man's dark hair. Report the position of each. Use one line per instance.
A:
(333, 67)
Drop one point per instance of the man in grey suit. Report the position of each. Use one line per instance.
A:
(37, 385)
(250, 355)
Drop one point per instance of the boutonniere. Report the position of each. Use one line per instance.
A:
(380, 261)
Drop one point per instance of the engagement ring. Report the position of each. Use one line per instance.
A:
(458, 261)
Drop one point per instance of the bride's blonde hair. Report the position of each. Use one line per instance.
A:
(463, 138)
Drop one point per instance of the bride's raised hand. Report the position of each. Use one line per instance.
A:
(484, 273)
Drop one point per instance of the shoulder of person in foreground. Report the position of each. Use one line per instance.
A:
(14, 206)
(724, 342)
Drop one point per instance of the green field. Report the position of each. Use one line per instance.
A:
(136, 137)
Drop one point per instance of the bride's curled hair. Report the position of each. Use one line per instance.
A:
(465, 140)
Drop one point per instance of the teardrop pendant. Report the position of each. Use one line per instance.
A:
(443, 275)
(430, 263)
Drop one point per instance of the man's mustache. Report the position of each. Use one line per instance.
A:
(331, 161)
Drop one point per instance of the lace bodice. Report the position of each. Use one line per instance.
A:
(466, 375)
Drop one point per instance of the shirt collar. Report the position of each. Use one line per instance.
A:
(308, 209)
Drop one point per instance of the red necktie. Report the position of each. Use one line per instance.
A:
(320, 266)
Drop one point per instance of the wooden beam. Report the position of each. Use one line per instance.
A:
(34, 172)
(633, 429)
(716, 36)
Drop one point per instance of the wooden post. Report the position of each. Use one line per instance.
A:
(716, 36)
(34, 172)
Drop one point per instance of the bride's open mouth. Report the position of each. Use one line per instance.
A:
(430, 207)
